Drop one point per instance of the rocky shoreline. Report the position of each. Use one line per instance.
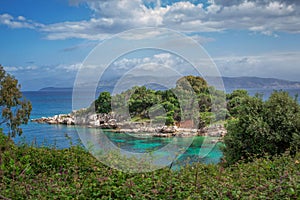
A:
(112, 121)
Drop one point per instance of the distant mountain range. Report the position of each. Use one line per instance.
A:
(229, 83)
(55, 89)
(259, 83)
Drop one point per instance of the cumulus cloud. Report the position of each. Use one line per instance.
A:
(113, 16)
(266, 17)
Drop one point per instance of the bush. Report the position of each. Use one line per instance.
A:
(43, 173)
(260, 128)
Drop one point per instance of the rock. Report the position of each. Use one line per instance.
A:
(92, 117)
(52, 121)
(163, 135)
(70, 121)
(168, 129)
(186, 134)
(95, 123)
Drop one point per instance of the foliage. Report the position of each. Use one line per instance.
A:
(258, 128)
(43, 173)
(195, 83)
(234, 100)
(141, 100)
(191, 98)
(207, 117)
(15, 109)
(103, 103)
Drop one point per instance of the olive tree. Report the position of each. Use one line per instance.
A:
(15, 110)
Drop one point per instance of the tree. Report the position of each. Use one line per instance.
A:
(141, 101)
(282, 116)
(15, 110)
(234, 100)
(103, 103)
(245, 132)
(198, 84)
(271, 127)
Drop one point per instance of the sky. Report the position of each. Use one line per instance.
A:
(44, 43)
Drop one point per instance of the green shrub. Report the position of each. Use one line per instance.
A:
(43, 173)
(259, 128)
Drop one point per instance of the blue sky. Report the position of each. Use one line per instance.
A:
(44, 42)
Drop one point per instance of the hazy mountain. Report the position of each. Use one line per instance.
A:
(259, 83)
(55, 89)
(229, 83)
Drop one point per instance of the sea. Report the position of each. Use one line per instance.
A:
(50, 103)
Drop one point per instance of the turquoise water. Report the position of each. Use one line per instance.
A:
(197, 149)
(51, 103)
(142, 145)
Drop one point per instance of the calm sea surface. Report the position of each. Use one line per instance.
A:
(52, 103)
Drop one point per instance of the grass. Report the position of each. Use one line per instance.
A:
(44, 173)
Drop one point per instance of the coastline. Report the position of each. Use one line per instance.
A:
(115, 124)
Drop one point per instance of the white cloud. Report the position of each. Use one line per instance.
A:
(158, 64)
(113, 16)
(266, 18)
(21, 18)
(140, 34)
(11, 69)
(19, 22)
(20, 68)
(70, 67)
(200, 39)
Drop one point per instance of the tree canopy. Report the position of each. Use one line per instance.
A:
(103, 103)
(15, 110)
(172, 105)
(262, 127)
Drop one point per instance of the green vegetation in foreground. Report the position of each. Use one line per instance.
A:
(43, 173)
